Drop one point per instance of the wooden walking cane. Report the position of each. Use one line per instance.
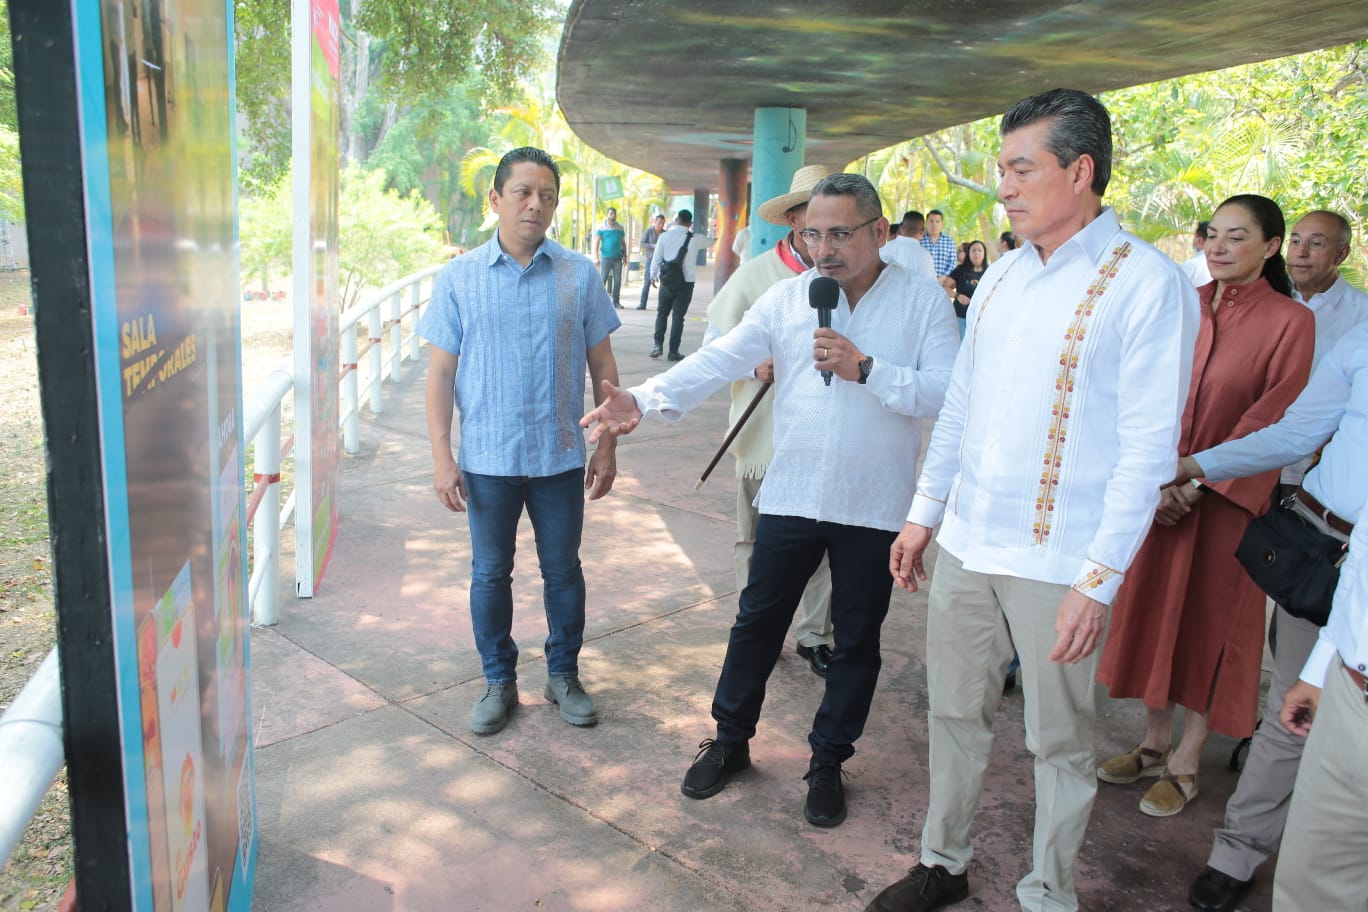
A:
(731, 435)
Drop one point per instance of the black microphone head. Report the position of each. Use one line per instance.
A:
(824, 292)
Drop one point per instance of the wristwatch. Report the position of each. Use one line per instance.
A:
(866, 366)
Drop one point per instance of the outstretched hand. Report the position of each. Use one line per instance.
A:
(616, 414)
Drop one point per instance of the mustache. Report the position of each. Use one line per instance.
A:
(830, 261)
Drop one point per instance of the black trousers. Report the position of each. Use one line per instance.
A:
(676, 302)
(787, 551)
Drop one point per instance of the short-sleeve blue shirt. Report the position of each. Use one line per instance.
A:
(522, 336)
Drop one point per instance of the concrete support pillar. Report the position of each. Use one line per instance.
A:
(780, 139)
(702, 219)
(731, 201)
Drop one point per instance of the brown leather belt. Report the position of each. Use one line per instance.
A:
(1339, 524)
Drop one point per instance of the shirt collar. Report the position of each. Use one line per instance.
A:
(1093, 239)
(1321, 298)
(495, 253)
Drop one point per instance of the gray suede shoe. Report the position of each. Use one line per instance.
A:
(490, 714)
(575, 705)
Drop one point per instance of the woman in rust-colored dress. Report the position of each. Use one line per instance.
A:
(1187, 626)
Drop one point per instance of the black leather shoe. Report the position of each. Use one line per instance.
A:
(675, 356)
(923, 889)
(825, 805)
(819, 657)
(655, 352)
(1216, 891)
(714, 763)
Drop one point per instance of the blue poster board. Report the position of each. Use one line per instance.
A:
(166, 658)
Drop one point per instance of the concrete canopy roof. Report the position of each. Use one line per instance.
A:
(670, 86)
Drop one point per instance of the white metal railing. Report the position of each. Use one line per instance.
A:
(31, 751)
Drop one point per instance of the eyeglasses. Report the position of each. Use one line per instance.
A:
(837, 237)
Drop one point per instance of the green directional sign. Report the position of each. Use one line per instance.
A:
(610, 188)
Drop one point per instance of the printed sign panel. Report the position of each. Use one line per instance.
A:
(156, 106)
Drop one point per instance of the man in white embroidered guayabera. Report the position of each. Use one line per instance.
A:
(840, 481)
(1059, 426)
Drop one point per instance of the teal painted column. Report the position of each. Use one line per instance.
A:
(780, 138)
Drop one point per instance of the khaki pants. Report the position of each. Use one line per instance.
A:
(1256, 813)
(812, 623)
(1323, 864)
(974, 619)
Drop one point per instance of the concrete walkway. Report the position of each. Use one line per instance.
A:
(374, 795)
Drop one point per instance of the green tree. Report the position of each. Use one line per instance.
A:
(382, 234)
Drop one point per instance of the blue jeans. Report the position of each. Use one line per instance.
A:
(610, 272)
(787, 551)
(555, 505)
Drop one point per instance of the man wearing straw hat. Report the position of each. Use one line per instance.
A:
(754, 443)
(840, 471)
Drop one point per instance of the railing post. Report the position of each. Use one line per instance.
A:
(415, 301)
(351, 407)
(377, 363)
(396, 325)
(266, 522)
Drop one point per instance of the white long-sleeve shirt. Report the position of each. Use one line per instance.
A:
(1334, 402)
(667, 248)
(1063, 414)
(1345, 634)
(910, 255)
(844, 453)
(1338, 309)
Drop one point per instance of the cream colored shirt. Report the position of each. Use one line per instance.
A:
(1063, 414)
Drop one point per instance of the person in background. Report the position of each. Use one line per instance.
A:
(1007, 242)
(1187, 627)
(964, 279)
(649, 237)
(1195, 267)
(941, 246)
(741, 246)
(678, 244)
(610, 248)
(905, 247)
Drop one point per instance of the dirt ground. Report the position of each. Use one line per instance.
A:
(41, 866)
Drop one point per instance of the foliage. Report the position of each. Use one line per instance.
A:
(381, 234)
(1293, 129)
(432, 46)
(265, 223)
(416, 51)
(9, 111)
(263, 90)
(11, 176)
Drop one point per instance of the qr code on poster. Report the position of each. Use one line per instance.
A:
(246, 820)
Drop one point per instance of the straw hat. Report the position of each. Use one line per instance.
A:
(800, 191)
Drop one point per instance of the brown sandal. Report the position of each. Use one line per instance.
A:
(1133, 766)
(1169, 795)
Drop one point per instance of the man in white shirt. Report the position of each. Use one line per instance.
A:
(1257, 810)
(838, 484)
(1333, 407)
(1321, 865)
(1195, 266)
(1060, 423)
(679, 245)
(905, 247)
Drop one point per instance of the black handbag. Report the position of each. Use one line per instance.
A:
(1296, 564)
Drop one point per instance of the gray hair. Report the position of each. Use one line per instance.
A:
(867, 201)
(1079, 125)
